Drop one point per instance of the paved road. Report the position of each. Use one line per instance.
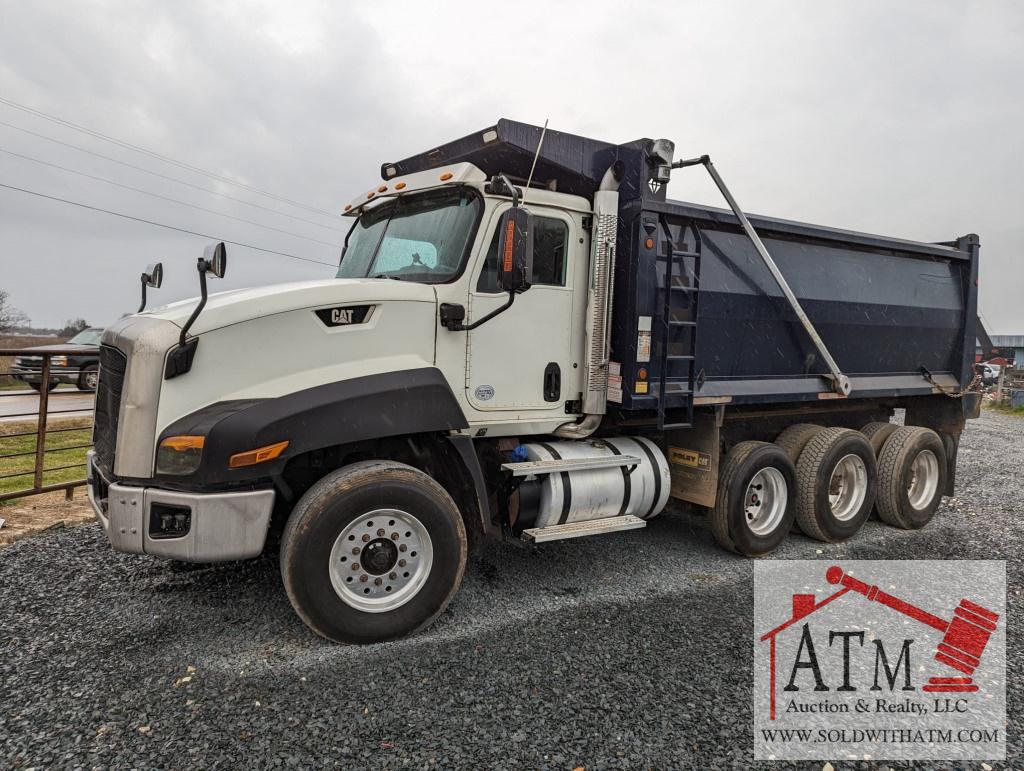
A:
(626, 651)
(16, 403)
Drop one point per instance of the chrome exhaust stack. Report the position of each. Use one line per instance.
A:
(599, 305)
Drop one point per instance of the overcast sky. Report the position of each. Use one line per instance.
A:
(901, 118)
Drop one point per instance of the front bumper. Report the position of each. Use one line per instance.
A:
(32, 375)
(223, 526)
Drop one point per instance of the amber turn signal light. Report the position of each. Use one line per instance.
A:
(259, 455)
(182, 443)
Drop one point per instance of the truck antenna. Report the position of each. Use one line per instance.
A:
(533, 165)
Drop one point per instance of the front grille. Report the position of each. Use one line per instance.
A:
(113, 364)
(100, 490)
(29, 363)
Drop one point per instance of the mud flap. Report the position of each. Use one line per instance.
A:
(693, 460)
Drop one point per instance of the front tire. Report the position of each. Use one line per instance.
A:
(89, 378)
(372, 552)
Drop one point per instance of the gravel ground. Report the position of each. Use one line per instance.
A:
(624, 651)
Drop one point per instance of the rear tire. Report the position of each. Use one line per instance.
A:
(836, 484)
(754, 507)
(877, 434)
(911, 477)
(795, 438)
(372, 552)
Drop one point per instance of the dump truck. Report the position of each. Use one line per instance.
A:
(527, 341)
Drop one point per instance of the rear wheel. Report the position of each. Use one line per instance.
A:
(877, 434)
(373, 551)
(795, 438)
(836, 484)
(911, 477)
(754, 506)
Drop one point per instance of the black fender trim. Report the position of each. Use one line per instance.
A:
(467, 453)
(412, 401)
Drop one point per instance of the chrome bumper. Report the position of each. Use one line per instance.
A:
(224, 526)
(29, 374)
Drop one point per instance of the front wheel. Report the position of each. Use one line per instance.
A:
(89, 378)
(38, 386)
(372, 552)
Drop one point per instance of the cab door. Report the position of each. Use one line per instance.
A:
(525, 358)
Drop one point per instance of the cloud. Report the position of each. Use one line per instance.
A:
(901, 119)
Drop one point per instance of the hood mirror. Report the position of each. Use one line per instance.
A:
(154, 277)
(215, 257)
(215, 261)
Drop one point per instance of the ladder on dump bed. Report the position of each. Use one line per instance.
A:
(674, 327)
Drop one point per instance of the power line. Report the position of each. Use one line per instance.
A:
(162, 225)
(162, 197)
(165, 176)
(165, 158)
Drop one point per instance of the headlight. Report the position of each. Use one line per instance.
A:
(58, 361)
(179, 455)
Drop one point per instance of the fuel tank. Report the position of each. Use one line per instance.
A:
(640, 489)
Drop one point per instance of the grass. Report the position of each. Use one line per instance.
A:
(1007, 410)
(62, 449)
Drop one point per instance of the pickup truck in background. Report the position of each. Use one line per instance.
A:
(81, 369)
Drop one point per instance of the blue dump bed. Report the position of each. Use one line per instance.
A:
(897, 316)
(698, 318)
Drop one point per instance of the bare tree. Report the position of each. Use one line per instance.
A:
(73, 326)
(10, 316)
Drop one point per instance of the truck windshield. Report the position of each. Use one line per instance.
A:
(87, 337)
(421, 238)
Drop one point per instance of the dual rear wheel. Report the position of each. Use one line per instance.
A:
(827, 481)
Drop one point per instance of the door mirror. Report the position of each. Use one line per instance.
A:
(515, 250)
(154, 275)
(216, 256)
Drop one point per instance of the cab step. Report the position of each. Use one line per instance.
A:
(534, 467)
(580, 529)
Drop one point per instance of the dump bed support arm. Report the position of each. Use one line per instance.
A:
(840, 383)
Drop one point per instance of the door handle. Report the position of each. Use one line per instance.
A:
(552, 382)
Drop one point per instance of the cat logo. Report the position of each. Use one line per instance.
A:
(689, 458)
(343, 317)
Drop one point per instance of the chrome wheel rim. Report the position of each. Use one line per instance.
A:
(923, 480)
(764, 503)
(92, 380)
(381, 560)
(847, 487)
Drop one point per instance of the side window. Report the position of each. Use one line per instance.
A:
(550, 249)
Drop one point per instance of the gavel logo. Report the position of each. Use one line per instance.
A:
(964, 638)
